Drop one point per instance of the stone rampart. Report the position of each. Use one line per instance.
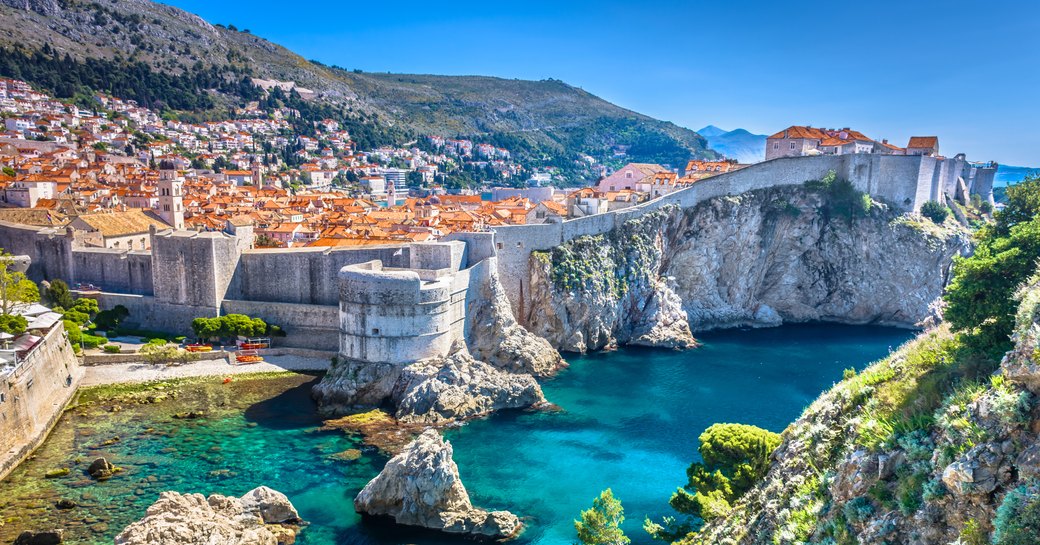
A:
(34, 395)
(394, 316)
(119, 271)
(305, 326)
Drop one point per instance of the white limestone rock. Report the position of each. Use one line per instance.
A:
(261, 517)
(458, 388)
(758, 259)
(495, 337)
(421, 487)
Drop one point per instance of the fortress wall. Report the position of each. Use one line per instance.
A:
(49, 249)
(149, 313)
(114, 270)
(436, 256)
(306, 326)
(479, 247)
(184, 270)
(305, 275)
(34, 397)
(395, 317)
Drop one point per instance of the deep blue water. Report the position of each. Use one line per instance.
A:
(629, 420)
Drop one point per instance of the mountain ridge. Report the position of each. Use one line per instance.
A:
(548, 122)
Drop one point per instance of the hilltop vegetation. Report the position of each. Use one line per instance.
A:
(167, 58)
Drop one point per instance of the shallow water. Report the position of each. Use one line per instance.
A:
(630, 421)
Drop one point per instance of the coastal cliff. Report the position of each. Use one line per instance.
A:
(784, 254)
(870, 462)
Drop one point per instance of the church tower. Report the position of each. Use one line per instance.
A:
(171, 196)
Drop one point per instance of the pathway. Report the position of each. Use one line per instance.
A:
(96, 375)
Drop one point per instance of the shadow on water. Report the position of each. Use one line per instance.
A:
(291, 409)
(375, 530)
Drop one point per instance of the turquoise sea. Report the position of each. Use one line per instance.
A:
(629, 420)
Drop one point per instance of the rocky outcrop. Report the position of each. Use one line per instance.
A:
(262, 517)
(50, 537)
(495, 336)
(759, 259)
(437, 391)
(421, 487)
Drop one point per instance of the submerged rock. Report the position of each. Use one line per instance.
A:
(261, 517)
(50, 537)
(421, 487)
(101, 470)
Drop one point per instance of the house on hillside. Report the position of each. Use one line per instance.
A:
(798, 140)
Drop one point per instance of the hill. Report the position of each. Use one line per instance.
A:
(1010, 175)
(176, 62)
(737, 144)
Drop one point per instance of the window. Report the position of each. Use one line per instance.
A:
(628, 174)
(3, 397)
(792, 145)
(166, 208)
(499, 245)
(776, 145)
(375, 331)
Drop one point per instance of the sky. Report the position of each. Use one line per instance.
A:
(966, 71)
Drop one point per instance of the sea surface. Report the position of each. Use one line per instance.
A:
(629, 421)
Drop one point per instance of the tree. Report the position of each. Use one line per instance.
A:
(58, 295)
(15, 287)
(110, 319)
(601, 525)
(734, 457)
(13, 324)
(935, 211)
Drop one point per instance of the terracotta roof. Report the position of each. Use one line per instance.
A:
(927, 142)
(114, 224)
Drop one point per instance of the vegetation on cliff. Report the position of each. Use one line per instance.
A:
(935, 443)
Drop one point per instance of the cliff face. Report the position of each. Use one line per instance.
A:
(758, 259)
(871, 462)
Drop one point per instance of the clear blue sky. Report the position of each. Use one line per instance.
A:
(967, 71)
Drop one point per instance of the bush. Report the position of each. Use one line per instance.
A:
(76, 316)
(228, 326)
(92, 341)
(112, 349)
(110, 319)
(58, 294)
(841, 196)
(935, 211)
(75, 334)
(1018, 518)
(13, 324)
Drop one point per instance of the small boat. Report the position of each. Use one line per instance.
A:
(198, 347)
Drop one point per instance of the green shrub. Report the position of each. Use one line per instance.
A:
(111, 318)
(112, 348)
(57, 294)
(228, 326)
(858, 510)
(13, 324)
(74, 332)
(973, 534)
(848, 373)
(1018, 518)
(77, 316)
(935, 211)
(841, 196)
(92, 341)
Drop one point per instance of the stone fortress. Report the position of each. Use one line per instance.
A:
(399, 304)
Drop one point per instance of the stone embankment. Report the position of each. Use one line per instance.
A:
(421, 487)
(261, 517)
(758, 259)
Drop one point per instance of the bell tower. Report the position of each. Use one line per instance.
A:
(171, 196)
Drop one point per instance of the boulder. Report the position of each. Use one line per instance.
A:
(855, 475)
(50, 537)
(459, 387)
(261, 517)
(421, 487)
(272, 506)
(978, 472)
(101, 470)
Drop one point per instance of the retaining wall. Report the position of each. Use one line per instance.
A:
(34, 397)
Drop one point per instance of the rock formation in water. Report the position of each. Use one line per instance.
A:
(436, 391)
(421, 487)
(765, 257)
(969, 472)
(261, 517)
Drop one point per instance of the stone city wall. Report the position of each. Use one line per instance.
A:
(400, 316)
(33, 397)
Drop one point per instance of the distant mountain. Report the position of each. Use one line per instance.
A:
(171, 60)
(1010, 175)
(737, 144)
